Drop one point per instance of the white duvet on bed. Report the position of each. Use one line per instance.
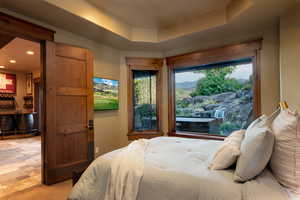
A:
(126, 171)
(175, 169)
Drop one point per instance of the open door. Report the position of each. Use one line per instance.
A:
(69, 135)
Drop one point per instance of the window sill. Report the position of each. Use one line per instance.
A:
(195, 136)
(135, 135)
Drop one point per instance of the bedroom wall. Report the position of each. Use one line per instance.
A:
(123, 92)
(111, 126)
(289, 57)
(107, 65)
(269, 73)
(270, 84)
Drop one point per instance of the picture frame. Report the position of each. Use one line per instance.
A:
(8, 83)
(106, 94)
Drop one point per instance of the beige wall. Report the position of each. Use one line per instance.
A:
(107, 65)
(111, 126)
(290, 57)
(269, 61)
(269, 73)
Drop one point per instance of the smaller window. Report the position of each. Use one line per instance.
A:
(144, 98)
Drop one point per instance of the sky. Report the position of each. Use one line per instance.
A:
(241, 72)
(107, 81)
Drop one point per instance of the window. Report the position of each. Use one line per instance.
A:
(211, 97)
(144, 97)
(215, 99)
(144, 100)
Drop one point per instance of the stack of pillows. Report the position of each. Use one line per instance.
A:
(264, 141)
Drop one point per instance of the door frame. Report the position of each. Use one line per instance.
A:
(16, 27)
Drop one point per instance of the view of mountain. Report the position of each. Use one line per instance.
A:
(104, 86)
(186, 85)
(192, 84)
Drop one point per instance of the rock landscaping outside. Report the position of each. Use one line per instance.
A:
(216, 95)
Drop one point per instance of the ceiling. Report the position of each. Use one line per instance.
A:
(158, 13)
(155, 25)
(16, 50)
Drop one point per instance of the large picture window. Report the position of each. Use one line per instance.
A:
(144, 97)
(214, 99)
(215, 94)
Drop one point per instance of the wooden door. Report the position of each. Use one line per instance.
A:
(69, 133)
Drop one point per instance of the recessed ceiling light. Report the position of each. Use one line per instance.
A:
(2, 67)
(30, 52)
(12, 61)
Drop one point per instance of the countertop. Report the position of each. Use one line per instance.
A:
(15, 113)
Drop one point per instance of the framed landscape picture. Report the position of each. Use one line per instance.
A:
(106, 94)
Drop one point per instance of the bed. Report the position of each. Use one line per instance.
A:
(169, 168)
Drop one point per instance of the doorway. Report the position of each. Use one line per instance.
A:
(20, 130)
(66, 108)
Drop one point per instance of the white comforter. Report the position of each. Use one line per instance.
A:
(173, 169)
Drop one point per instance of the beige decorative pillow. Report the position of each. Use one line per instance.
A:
(228, 152)
(256, 150)
(285, 160)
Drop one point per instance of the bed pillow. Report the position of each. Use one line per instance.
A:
(256, 150)
(228, 152)
(285, 160)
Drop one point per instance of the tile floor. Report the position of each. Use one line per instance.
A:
(20, 164)
(59, 191)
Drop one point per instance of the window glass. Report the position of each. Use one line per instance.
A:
(214, 99)
(144, 100)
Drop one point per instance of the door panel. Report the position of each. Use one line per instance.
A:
(69, 111)
(72, 149)
(75, 71)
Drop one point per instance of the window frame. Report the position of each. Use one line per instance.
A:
(239, 51)
(144, 64)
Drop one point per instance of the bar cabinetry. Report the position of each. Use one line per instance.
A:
(13, 123)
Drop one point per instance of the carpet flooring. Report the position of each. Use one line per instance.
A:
(20, 164)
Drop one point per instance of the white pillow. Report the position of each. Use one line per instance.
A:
(285, 160)
(228, 152)
(256, 150)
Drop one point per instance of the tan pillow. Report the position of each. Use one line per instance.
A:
(256, 150)
(228, 152)
(285, 160)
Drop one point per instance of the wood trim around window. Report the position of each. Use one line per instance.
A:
(150, 64)
(227, 53)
